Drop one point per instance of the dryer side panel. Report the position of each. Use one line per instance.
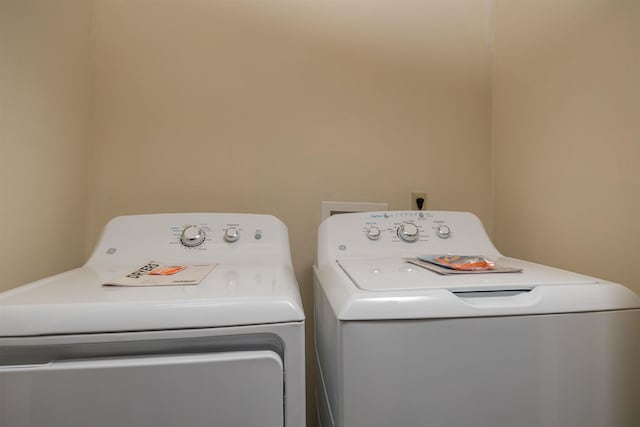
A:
(327, 357)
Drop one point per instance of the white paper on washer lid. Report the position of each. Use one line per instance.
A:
(155, 273)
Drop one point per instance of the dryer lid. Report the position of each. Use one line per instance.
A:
(76, 302)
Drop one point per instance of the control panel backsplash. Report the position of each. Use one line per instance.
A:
(192, 237)
(402, 233)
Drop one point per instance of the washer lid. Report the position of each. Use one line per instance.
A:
(75, 302)
(395, 274)
(391, 288)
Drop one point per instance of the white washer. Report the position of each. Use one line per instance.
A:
(399, 345)
(226, 352)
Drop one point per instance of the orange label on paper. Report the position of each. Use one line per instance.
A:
(166, 271)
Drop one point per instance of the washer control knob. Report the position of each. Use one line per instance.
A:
(192, 236)
(409, 232)
(374, 233)
(231, 234)
(443, 231)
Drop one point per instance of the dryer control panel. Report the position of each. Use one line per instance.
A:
(192, 237)
(402, 233)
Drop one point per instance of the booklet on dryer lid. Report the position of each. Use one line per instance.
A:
(154, 273)
(460, 264)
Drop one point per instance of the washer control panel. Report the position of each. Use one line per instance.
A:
(402, 233)
(407, 227)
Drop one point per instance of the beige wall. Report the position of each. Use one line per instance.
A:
(566, 115)
(225, 106)
(274, 106)
(45, 106)
(244, 107)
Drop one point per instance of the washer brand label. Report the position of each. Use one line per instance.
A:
(143, 270)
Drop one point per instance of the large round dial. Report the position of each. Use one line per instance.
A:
(231, 234)
(192, 236)
(409, 232)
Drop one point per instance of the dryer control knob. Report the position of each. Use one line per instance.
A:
(231, 234)
(192, 236)
(443, 231)
(409, 232)
(374, 233)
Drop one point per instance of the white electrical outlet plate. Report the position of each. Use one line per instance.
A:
(331, 208)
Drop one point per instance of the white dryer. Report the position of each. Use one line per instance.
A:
(399, 345)
(226, 352)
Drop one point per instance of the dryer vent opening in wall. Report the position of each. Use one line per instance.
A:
(328, 209)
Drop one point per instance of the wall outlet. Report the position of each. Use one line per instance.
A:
(415, 195)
